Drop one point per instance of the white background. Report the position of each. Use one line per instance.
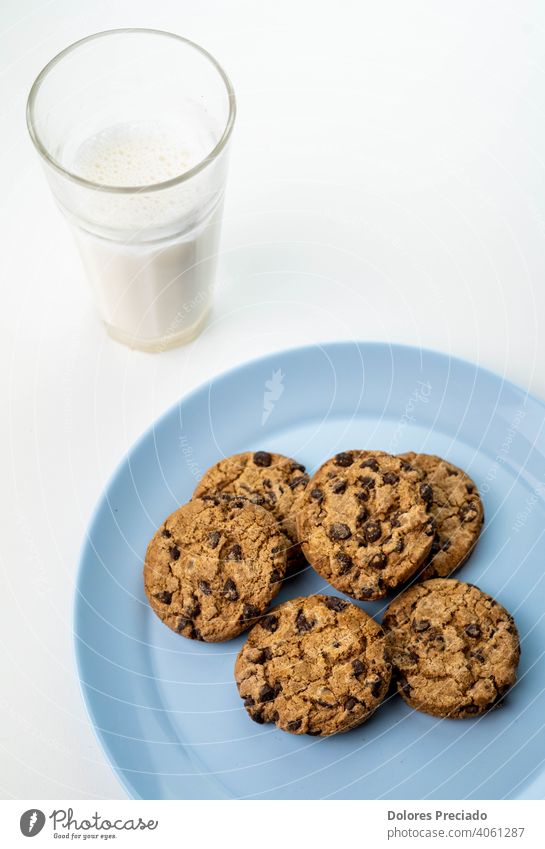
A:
(386, 182)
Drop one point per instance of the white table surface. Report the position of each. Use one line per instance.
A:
(386, 182)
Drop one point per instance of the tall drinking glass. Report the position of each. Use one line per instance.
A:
(133, 127)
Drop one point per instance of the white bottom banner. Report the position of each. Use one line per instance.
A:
(275, 824)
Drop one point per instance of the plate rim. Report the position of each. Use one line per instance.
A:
(77, 598)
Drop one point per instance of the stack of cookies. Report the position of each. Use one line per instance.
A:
(367, 522)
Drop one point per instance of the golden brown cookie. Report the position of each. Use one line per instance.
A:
(269, 480)
(457, 510)
(454, 649)
(364, 522)
(214, 566)
(313, 665)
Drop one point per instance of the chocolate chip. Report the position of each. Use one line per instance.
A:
(298, 481)
(313, 733)
(174, 552)
(303, 624)
(378, 560)
(258, 499)
(339, 531)
(192, 609)
(262, 458)
(166, 534)
(250, 611)
(275, 577)
(376, 686)
(267, 693)
(471, 709)
(215, 499)
(363, 495)
(426, 493)
(271, 497)
(358, 667)
(213, 539)
(390, 478)
(164, 597)
(370, 463)
(406, 466)
(183, 622)
(294, 724)
(451, 472)
(399, 546)
(332, 602)
(478, 655)
(473, 630)
(230, 590)
(470, 488)
(344, 561)
(367, 482)
(372, 531)
(467, 512)
(249, 701)
(234, 553)
(395, 519)
(338, 487)
(257, 716)
(265, 655)
(367, 591)
(316, 494)
(351, 703)
(421, 625)
(344, 459)
(297, 467)
(270, 623)
(204, 587)
(362, 516)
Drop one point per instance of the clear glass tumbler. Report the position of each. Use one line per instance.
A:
(133, 126)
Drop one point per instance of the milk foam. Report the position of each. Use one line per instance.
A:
(136, 153)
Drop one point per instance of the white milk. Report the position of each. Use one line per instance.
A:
(151, 257)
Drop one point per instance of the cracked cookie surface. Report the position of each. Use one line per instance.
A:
(269, 480)
(364, 522)
(457, 509)
(213, 567)
(313, 665)
(454, 649)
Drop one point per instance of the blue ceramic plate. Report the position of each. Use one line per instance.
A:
(166, 709)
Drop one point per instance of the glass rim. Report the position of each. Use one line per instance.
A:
(151, 187)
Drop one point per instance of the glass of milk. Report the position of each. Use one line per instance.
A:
(133, 126)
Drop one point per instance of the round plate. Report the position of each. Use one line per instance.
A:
(166, 709)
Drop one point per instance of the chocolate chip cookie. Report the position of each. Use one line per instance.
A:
(213, 567)
(457, 510)
(269, 480)
(454, 649)
(364, 522)
(313, 665)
